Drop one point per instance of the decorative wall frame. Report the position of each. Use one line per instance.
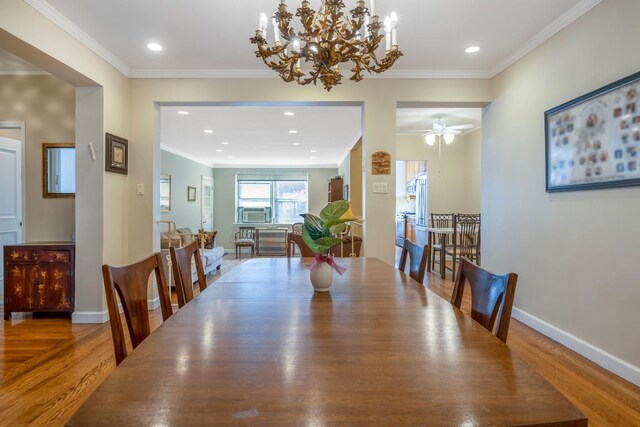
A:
(191, 194)
(116, 154)
(381, 163)
(594, 141)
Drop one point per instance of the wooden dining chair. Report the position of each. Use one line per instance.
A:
(181, 266)
(130, 282)
(245, 238)
(296, 239)
(491, 296)
(441, 242)
(296, 228)
(418, 258)
(466, 241)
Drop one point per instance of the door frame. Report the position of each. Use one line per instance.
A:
(20, 125)
(204, 178)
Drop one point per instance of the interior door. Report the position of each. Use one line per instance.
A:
(207, 203)
(10, 196)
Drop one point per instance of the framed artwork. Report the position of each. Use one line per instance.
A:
(116, 155)
(191, 194)
(381, 163)
(593, 141)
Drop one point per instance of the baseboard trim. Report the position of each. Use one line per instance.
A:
(90, 316)
(152, 304)
(598, 356)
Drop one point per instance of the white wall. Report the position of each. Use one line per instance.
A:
(575, 252)
(225, 197)
(184, 173)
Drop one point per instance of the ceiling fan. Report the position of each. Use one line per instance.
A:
(441, 131)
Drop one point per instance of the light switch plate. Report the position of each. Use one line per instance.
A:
(380, 188)
(140, 189)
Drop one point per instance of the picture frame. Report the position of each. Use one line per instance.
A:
(191, 194)
(116, 154)
(593, 141)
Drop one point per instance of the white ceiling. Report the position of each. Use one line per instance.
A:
(211, 38)
(410, 120)
(258, 136)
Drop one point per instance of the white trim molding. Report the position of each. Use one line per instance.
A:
(152, 304)
(597, 355)
(90, 316)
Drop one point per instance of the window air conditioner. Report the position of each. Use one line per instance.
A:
(255, 214)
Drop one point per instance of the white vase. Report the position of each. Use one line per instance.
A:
(321, 277)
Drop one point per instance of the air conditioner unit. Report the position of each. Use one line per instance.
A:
(249, 215)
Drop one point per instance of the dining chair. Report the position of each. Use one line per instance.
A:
(296, 239)
(466, 240)
(491, 296)
(440, 241)
(130, 282)
(296, 228)
(245, 237)
(181, 266)
(418, 258)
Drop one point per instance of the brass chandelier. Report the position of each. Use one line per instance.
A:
(327, 39)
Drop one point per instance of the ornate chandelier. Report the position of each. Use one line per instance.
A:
(327, 39)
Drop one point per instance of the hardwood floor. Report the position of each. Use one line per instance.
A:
(50, 366)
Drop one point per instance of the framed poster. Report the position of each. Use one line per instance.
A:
(117, 155)
(191, 194)
(593, 141)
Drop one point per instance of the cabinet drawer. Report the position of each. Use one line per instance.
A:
(53, 256)
(22, 255)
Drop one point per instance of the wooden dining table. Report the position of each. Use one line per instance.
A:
(259, 347)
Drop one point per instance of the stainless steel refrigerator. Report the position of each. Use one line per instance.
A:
(422, 205)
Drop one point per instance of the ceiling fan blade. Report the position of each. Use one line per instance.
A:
(467, 126)
(452, 131)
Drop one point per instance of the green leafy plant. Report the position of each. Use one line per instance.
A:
(319, 232)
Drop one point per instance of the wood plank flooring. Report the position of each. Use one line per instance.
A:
(49, 367)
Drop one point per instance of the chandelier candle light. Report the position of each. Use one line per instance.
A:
(327, 39)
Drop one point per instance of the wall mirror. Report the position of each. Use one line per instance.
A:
(165, 192)
(58, 170)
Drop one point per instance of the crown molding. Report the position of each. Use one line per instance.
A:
(549, 31)
(186, 156)
(72, 29)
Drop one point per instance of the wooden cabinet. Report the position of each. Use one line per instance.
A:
(39, 277)
(335, 189)
(410, 228)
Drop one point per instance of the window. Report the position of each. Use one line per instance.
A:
(284, 196)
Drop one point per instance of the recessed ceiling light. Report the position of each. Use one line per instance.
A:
(472, 49)
(224, 143)
(296, 143)
(314, 151)
(293, 131)
(154, 47)
(289, 113)
(218, 151)
(208, 131)
(183, 113)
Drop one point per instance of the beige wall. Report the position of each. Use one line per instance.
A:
(472, 169)
(575, 252)
(378, 95)
(103, 224)
(11, 133)
(46, 105)
(225, 197)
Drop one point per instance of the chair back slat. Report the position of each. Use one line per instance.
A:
(130, 283)
(181, 266)
(491, 296)
(442, 221)
(418, 257)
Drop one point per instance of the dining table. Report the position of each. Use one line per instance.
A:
(260, 347)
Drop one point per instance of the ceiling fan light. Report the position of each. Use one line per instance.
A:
(430, 139)
(448, 138)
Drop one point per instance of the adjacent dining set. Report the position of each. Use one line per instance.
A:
(261, 347)
(455, 236)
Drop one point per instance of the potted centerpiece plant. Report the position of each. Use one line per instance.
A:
(319, 233)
